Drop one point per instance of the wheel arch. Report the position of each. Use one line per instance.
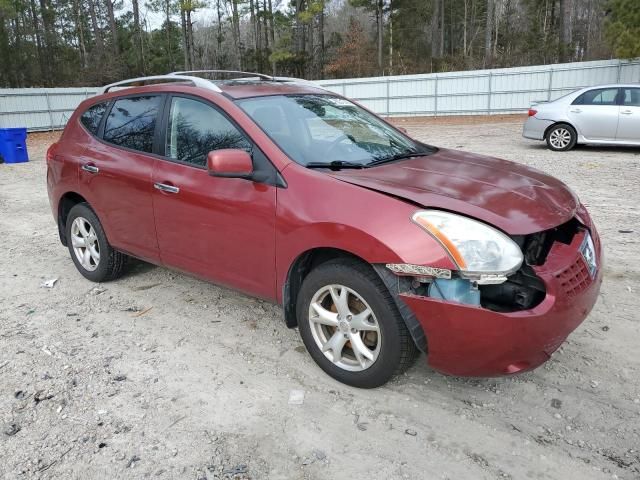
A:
(560, 122)
(66, 203)
(308, 260)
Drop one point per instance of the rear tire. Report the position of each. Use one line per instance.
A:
(325, 322)
(90, 251)
(561, 137)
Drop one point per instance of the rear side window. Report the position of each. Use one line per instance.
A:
(195, 129)
(599, 96)
(92, 117)
(132, 121)
(631, 97)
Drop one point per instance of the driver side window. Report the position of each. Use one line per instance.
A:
(195, 129)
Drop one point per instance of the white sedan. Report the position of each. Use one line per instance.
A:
(603, 115)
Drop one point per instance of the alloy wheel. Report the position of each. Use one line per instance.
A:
(560, 138)
(85, 243)
(344, 327)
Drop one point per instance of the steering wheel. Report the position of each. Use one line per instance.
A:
(336, 142)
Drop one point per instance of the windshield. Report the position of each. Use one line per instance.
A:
(318, 130)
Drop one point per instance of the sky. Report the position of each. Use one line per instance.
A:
(204, 16)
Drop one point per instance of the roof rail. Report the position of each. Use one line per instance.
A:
(170, 78)
(261, 76)
(300, 81)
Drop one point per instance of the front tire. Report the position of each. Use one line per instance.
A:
(561, 138)
(90, 251)
(351, 326)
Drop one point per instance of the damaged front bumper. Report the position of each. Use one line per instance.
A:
(470, 340)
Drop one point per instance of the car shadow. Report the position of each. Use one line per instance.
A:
(587, 147)
(135, 267)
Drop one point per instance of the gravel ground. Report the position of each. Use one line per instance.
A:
(159, 375)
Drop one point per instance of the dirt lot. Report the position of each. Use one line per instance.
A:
(159, 375)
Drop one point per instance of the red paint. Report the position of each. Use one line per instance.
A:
(472, 341)
(228, 161)
(247, 235)
(515, 198)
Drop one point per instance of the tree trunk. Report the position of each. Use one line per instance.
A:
(219, 36)
(167, 13)
(272, 35)
(435, 36)
(190, 41)
(137, 38)
(36, 30)
(113, 27)
(254, 31)
(321, 40)
(441, 10)
(564, 31)
(235, 20)
(390, 40)
(80, 32)
(488, 32)
(185, 38)
(380, 28)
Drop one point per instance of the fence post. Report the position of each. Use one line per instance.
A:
(435, 97)
(619, 71)
(46, 94)
(550, 86)
(489, 96)
(388, 95)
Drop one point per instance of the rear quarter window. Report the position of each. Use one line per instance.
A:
(92, 116)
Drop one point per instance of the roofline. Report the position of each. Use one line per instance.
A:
(187, 77)
(170, 78)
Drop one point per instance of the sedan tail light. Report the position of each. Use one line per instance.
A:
(532, 112)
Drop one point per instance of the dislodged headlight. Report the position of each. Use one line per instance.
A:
(479, 251)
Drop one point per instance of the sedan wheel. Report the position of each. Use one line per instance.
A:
(351, 325)
(344, 327)
(561, 138)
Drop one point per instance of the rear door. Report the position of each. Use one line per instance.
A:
(629, 123)
(222, 229)
(595, 113)
(116, 174)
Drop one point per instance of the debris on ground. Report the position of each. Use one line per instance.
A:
(49, 283)
(11, 429)
(296, 397)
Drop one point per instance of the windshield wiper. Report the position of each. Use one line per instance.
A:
(335, 165)
(393, 158)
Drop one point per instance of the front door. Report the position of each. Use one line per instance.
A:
(595, 114)
(222, 229)
(629, 123)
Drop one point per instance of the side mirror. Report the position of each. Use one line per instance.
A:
(230, 163)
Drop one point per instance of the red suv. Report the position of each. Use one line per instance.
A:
(376, 245)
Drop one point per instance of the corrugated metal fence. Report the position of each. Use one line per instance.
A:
(40, 108)
(506, 90)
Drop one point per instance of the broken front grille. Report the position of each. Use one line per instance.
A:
(575, 278)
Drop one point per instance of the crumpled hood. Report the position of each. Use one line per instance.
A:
(514, 198)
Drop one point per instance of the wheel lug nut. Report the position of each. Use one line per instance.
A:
(349, 317)
(353, 330)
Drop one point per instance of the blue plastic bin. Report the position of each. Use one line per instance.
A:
(13, 145)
